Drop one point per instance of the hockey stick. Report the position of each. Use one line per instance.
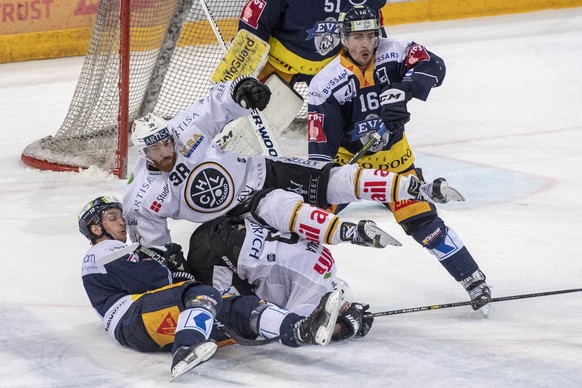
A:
(245, 341)
(372, 140)
(256, 119)
(458, 304)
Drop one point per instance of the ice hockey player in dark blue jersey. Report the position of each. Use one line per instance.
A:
(146, 303)
(364, 91)
(302, 34)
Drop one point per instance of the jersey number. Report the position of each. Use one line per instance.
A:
(369, 101)
(179, 174)
(331, 7)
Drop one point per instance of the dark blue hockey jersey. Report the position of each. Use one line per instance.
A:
(302, 33)
(344, 104)
(114, 277)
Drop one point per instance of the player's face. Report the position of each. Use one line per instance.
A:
(114, 224)
(361, 46)
(162, 155)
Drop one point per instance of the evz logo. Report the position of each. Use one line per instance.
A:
(209, 188)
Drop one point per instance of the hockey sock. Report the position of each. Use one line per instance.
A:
(367, 184)
(194, 326)
(447, 247)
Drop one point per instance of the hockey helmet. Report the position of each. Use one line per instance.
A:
(347, 295)
(357, 18)
(149, 130)
(92, 213)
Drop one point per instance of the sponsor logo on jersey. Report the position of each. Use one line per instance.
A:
(324, 263)
(316, 132)
(209, 188)
(164, 194)
(347, 92)
(252, 12)
(257, 241)
(335, 81)
(399, 205)
(416, 53)
(191, 145)
(156, 206)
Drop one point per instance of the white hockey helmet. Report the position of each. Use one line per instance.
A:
(347, 295)
(149, 130)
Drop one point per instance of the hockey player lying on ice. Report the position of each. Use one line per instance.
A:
(147, 304)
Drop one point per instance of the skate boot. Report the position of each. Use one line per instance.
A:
(366, 233)
(188, 357)
(318, 327)
(437, 191)
(478, 290)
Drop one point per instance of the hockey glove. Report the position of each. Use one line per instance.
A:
(353, 322)
(250, 93)
(393, 101)
(173, 255)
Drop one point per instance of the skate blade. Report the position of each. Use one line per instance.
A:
(382, 239)
(202, 353)
(486, 310)
(332, 307)
(450, 193)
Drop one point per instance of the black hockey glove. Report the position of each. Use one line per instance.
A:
(393, 101)
(173, 255)
(353, 322)
(250, 93)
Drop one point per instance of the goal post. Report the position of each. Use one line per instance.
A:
(167, 65)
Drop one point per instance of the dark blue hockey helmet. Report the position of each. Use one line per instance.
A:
(357, 18)
(92, 213)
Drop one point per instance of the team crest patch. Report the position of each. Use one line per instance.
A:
(209, 188)
(316, 132)
(252, 12)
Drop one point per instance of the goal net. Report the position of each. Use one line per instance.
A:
(173, 52)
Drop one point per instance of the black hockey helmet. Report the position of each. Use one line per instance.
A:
(355, 18)
(92, 213)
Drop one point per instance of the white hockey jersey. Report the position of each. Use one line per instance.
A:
(284, 270)
(205, 182)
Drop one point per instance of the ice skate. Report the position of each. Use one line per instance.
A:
(437, 191)
(186, 358)
(366, 233)
(318, 327)
(479, 292)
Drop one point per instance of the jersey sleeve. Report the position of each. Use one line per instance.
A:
(325, 123)
(261, 16)
(209, 115)
(423, 69)
(147, 231)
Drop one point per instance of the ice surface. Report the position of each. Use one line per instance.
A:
(505, 129)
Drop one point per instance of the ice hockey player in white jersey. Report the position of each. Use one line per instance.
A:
(147, 304)
(240, 257)
(182, 174)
